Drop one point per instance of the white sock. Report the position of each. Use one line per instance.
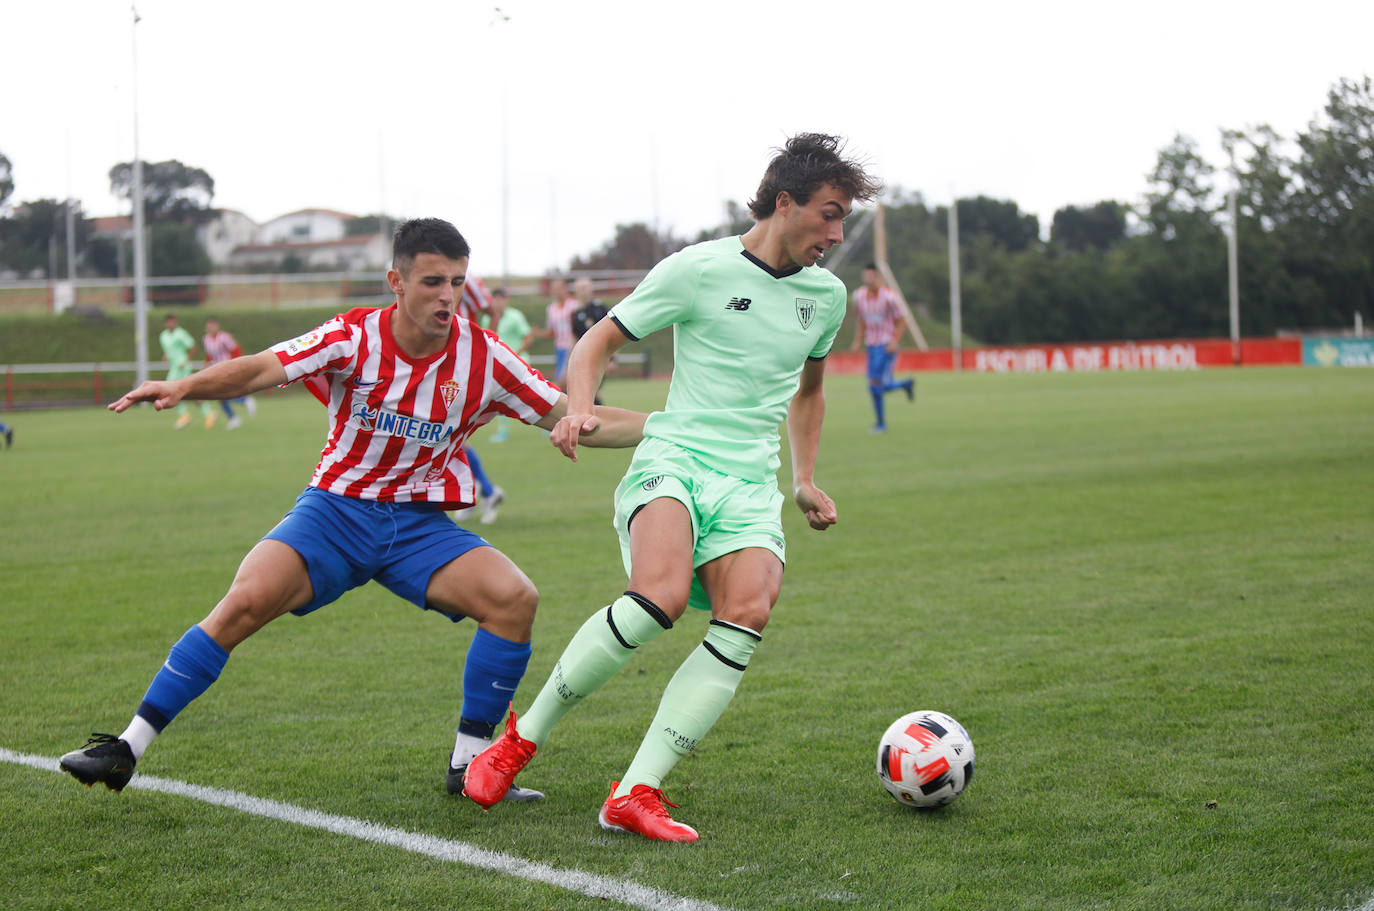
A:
(465, 748)
(138, 735)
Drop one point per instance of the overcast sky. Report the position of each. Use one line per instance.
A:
(643, 111)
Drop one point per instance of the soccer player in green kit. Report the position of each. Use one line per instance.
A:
(699, 511)
(177, 345)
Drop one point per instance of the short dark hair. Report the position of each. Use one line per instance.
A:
(425, 235)
(499, 292)
(873, 266)
(803, 164)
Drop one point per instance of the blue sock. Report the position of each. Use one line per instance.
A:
(877, 394)
(483, 482)
(491, 673)
(191, 666)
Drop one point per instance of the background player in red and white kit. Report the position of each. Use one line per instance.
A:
(880, 326)
(476, 300)
(406, 385)
(220, 346)
(558, 326)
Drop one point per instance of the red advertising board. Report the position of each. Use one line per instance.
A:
(1168, 354)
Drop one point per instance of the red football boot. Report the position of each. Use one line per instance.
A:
(642, 811)
(491, 772)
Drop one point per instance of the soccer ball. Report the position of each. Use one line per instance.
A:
(925, 759)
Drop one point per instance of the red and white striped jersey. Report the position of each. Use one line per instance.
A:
(558, 317)
(220, 347)
(476, 299)
(879, 313)
(397, 424)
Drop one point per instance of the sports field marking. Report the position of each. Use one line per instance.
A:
(626, 893)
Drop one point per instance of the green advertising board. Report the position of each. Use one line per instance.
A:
(1338, 352)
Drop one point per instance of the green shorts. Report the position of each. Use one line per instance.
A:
(728, 514)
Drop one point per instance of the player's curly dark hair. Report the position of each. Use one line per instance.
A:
(803, 164)
(425, 235)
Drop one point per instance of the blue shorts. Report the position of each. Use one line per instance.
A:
(347, 542)
(560, 360)
(880, 362)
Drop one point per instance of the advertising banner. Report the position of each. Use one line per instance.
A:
(1338, 352)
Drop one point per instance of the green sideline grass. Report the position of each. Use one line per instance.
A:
(1147, 596)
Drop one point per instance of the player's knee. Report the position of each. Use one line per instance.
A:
(670, 599)
(242, 611)
(522, 604)
(751, 613)
(509, 607)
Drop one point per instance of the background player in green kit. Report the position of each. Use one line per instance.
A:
(699, 511)
(177, 345)
(511, 327)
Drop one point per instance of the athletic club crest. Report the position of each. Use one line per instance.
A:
(449, 390)
(805, 310)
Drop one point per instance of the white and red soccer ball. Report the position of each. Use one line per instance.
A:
(925, 759)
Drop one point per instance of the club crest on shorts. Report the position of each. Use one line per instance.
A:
(806, 309)
(449, 390)
(653, 482)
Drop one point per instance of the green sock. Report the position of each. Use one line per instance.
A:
(599, 649)
(696, 696)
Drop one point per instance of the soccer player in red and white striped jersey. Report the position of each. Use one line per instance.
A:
(558, 325)
(398, 424)
(406, 385)
(220, 346)
(880, 327)
(475, 301)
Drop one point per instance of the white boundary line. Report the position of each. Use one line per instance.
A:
(627, 893)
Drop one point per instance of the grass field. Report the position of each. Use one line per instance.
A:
(1147, 596)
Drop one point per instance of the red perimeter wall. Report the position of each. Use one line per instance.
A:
(1172, 354)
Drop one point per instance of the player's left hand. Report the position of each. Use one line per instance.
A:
(162, 393)
(818, 508)
(571, 428)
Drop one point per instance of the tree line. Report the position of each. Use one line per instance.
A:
(176, 199)
(1155, 268)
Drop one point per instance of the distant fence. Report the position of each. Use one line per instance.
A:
(28, 386)
(262, 292)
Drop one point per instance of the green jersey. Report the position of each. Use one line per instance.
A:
(176, 345)
(741, 335)
(513, 328)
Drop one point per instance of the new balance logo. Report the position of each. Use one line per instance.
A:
(738, 303)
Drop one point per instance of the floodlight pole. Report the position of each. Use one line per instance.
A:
(71, 238)
(140, 255)
(503, 17)
(956, 316)
(1232, 269)
(70, 217)
(505, 189)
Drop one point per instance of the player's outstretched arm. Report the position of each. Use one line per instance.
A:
(804, 418)
(604, 428)
(616, 428)
(229, 380)
(586, 368)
